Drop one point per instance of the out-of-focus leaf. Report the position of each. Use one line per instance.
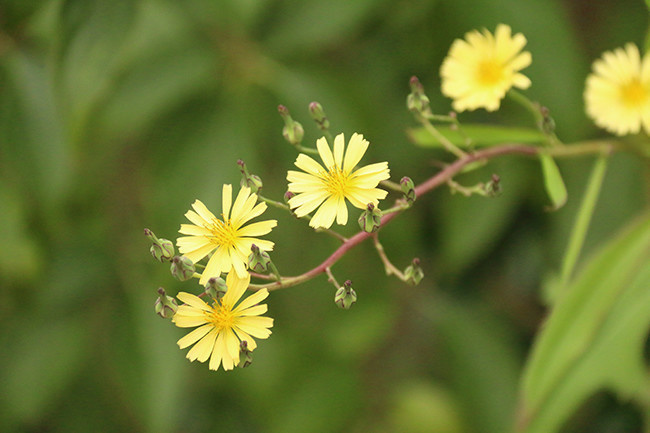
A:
(553, 181)
(595, 335)
(24, 258)
(484, 367)
(296, 28)
(469, 226)
(44, 357)
(480, 135)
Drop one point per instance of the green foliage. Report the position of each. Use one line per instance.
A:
(595, 336)
(477, 135)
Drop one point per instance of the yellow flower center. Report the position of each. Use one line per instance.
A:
(489, 72)
(223, 233)
(336, 181)
(634, 93)
(221, 317)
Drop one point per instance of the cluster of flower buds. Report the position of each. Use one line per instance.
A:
(161, 249)
(216, 288)
(259, 261)
(253, 181)
(417, 102)
(165, 306)
(370, 219)
(292, 130)
(413, 273)
(318, 114)
(345, 296)
(182, 268)
(408, 189)
(245, 355)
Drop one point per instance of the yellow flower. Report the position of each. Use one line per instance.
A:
(617, 94)
(228, 237)
(479, 70)
(329, 187)
(222, 326)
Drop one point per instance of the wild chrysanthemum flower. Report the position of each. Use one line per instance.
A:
(617, 93)
(480, 69)
(227, 236)
(222, 326)
(329, 186)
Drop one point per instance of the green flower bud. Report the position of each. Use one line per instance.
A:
(318, 114)
(252, 181)
(417, 101)
(216, 288)
(245, 355)
(370, 219)
(165, 306)
(258, 261)
(408, 188)
(161, 249)
(547, 123)
(182, 268)
(493, 187)
(345, 296)
(292, 130)
(413, 273)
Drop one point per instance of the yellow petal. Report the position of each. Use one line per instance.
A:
(339, 146)
(194, 336)
(193, 301)
(325, 153)
(226, 200)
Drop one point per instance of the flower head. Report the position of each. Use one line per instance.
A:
(617, 93)
(222, 326)
(329, 186)
(480, 69)
(227, 236)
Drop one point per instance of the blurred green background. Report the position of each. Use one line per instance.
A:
(116, 114)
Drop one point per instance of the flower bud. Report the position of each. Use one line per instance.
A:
(370, 219)
(245, 355)
(292, 130)
(318, 114)
(493, 187)
(258, 261)
(216, 288)
(182, 268)
(417, 101)
(252, 181)
(547, 123)
(345, 296)
(408, 188)
(165, 306)
(161, 249)
(413, 273)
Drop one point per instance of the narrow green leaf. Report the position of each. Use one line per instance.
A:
(479, 135)
(583, 219)
(553, 182)
(594, 337)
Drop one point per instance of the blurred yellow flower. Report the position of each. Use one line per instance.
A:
(479, 70)
(222, 326)
(617, 93)
(329, 187)
(228, 237)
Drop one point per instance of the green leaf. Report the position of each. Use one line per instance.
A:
(594, 337)
(553, 182)
(480, 135)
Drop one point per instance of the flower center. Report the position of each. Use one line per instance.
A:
(223, 233)
(221, 317)
(336, 181)
(634, 93)
(490, 72)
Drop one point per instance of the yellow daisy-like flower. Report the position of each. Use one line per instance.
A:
(329, 187)
(228, 237)
(617, 93)
(479, 70)
(222, 326)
